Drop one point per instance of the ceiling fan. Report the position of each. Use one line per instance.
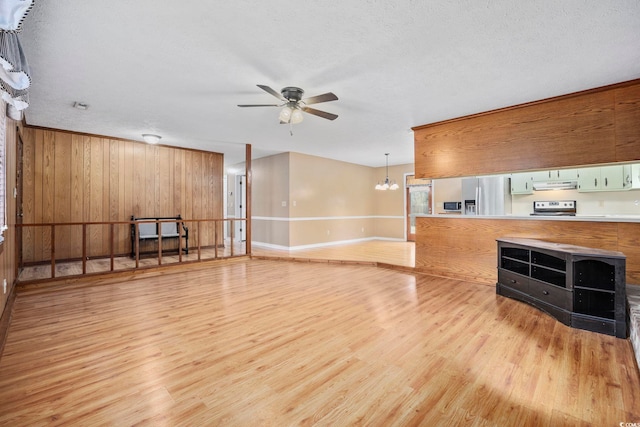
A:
(294, 105)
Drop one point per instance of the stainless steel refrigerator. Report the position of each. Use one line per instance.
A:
(487, 195)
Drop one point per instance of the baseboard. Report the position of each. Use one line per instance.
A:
(322, 245)
(5, 320)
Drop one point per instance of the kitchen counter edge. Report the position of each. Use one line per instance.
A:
(591, 218)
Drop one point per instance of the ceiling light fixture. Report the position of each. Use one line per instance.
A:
(387, 185)
(285, 114)
(296, 116)
(150, 138)
(291, 114)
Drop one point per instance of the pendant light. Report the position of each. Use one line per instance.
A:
(387, 185)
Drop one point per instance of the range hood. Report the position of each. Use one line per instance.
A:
(555, 185)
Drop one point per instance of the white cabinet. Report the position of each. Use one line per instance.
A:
(598, 178)
(522, 183)
(612, 177)
(635, 176)
(567, 174)
(604, 178)
(556, 175)
(589, 179)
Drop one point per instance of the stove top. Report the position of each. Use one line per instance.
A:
(555, 208)
(553, 214)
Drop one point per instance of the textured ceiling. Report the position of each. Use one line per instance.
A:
(178, 68)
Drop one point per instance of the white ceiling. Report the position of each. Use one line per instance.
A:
(178, 68)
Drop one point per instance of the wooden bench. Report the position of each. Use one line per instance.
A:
(148, 230)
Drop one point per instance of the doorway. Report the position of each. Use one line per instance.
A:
(240, 229)
(418, 203)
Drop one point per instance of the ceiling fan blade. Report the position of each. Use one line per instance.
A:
(272, 92)
(325, 97)
(323, 114)
(258, 105)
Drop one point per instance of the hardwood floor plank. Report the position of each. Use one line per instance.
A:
(260, 342)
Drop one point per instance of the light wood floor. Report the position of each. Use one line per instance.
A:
(382, 251)
(277, 343)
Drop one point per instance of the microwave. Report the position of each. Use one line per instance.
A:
(452, 206)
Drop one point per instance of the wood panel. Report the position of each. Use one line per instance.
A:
(267, 343)
(48, 189)
(466, 248)
(629, 244)
(61, 192)
(77, 190)
(628, 123)
(29, 194)
(8, 251)
(75, 178)
(576, 129)
(96, 197)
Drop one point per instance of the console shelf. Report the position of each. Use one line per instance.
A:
(581, 287)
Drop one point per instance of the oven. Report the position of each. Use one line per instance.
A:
(555, 208)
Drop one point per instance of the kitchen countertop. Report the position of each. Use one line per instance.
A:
(578, 217)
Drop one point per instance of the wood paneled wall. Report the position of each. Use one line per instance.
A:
(72, 177)
(8, 265)
(597, 126)
(466, 248)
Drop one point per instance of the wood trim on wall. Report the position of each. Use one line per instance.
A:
(589, 127)
(600, 125)
(5, 317)
(249, 181)
(8, 269)
(466, 248)
(622, 85)
(72, 177)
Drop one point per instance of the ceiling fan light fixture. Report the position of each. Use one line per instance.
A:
(285, 114)
(294, 105)
(296, 116)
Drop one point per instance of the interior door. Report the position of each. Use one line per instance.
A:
(418, 202)
(241, 208)
(411, 219)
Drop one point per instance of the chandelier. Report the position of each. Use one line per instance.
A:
(387, 185)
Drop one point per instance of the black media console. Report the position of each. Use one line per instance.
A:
(581, 287)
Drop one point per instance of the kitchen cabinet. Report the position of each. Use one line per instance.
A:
(635, 176)
(584, 288)
(604, 178)
(554, 175)
(522, 183)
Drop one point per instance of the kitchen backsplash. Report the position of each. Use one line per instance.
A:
(596, 203)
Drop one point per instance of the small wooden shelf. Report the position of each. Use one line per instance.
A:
(581, 287)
